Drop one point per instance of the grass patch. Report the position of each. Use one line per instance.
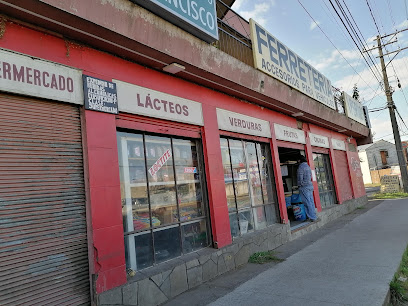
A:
(399, 284)
(264, 257)
(360, 207)
(395, 195)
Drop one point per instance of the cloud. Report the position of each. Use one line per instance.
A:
(402, 25)
(259, 11)
(381, 127)
(237, 5)
(336, 59)
(314, 24)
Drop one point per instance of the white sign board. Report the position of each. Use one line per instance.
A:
(354, 109)
(30, 76)
(234, 122)
(319, 141)
(314, 176)
(148, 102)
(289, 134)
(275, 59)
(338, 144)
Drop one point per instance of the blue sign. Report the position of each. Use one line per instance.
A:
(196, 17)
(100, 95)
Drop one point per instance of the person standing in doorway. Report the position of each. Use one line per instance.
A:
(304, 178)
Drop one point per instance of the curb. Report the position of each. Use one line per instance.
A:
(387, 300)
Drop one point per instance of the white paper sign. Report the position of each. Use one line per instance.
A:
(319, 141)
(284, 170)
(160, 163)
(234, 122)
(314, 175)
(30, 76)
(338, 144)
(354, 109)
(148, 102)
(289, 134)
(275, 59)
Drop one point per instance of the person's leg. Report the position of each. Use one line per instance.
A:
(307, 198)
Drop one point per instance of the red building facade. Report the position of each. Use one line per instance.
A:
(186, 138)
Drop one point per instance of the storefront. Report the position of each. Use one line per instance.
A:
(345, 191)
(159, 194)
(163, 190)
(248, 173)
(43, 228)
(291, 145)
(322, 164)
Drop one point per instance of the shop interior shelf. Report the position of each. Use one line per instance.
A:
(164, 183)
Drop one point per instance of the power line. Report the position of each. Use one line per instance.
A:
(334, 45)
(362, 41)
(352, 29)
(333, 18)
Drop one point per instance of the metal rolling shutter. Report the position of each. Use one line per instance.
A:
(341, 165)
(43, 233)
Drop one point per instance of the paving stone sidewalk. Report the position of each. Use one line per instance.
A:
(349, 261)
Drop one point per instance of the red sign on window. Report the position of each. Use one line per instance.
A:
(160, 163)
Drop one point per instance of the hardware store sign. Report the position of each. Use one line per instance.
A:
(30, 76)
(354, 109)
(196, 17)
(275, 59)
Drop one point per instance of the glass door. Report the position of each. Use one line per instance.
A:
(248, 185)
(324, 178)
(164, 202)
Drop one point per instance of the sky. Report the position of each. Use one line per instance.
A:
(312, 29)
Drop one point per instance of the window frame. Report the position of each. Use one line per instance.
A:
(266, 203)
(125, 136)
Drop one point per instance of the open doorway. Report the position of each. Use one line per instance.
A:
(289, 164)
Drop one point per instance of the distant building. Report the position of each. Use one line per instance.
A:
(378, 155)
(404, 149)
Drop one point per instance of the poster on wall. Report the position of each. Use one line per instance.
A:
(100, 95)
(275, 59)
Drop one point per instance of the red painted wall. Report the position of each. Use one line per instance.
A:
(101, 146)
(356, 175)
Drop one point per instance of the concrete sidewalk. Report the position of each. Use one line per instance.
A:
(349, 261)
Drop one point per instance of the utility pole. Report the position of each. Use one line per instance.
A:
(391, 108)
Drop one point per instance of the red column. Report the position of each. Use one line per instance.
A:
(278, 178)
(103, 190)
(217, 196)
(334, 172)
(309, 156)
(353, 183)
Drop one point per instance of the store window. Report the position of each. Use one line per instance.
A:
(248, 184)
(324, 179)
(163, 198)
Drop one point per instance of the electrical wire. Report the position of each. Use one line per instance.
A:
(334, 44)
(359, 35)
(341, 19)
(333, 18)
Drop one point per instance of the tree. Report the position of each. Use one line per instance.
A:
(356, 94)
